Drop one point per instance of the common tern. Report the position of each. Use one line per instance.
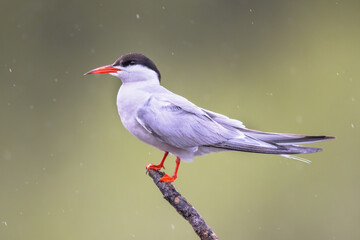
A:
(175, 125)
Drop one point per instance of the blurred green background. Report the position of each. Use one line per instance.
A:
(69, 169)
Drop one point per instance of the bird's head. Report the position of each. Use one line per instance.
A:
(132, 67)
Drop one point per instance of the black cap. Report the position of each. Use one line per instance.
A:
(136, 58)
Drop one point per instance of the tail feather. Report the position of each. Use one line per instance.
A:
(284, 138)
(240, 145)
(304, 160)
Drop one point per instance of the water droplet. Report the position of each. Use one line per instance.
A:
(10, 70)
(172, 226)
(250, 10)
(137, 16)
(7, 155)
(352, 125)
(299, 119)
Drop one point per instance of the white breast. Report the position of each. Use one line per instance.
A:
(129, 99)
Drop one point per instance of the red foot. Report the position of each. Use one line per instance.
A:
(159, 166)
(155, 167)
(166, 178)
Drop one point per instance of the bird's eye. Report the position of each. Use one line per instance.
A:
(127, 63)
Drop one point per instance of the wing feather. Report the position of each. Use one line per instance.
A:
(182, 124)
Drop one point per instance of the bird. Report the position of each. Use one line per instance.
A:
(174, 125)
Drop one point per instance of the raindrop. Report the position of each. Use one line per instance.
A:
(299, 119)
(352, 125)
(251, 10)
(10, 70)
(7, 155)
(172, 226)
(137, 16)
(163, 7)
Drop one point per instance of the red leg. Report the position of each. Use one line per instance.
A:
(166, 178)
(159, 166)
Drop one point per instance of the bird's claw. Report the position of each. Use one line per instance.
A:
(166, 178)
(155, 167)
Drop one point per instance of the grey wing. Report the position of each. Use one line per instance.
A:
(269, 137)
(224, 120)
(182, 124)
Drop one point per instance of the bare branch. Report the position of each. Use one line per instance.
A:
(184, 208)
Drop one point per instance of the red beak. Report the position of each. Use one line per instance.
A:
(104, 69)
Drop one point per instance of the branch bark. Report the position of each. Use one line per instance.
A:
(182, 206)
